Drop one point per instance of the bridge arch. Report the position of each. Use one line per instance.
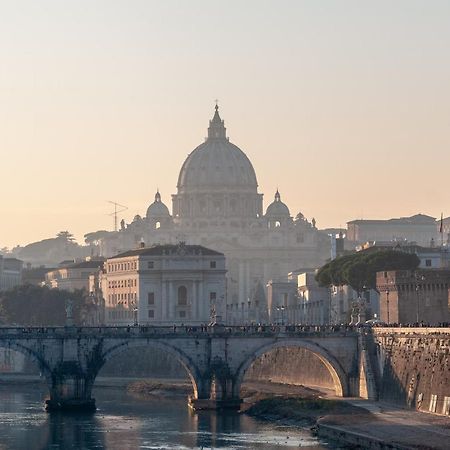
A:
(32, 354)
(190, 367)
(340, 379)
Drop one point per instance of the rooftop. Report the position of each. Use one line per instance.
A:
(89, 264)
(413, 220)
(170, 249)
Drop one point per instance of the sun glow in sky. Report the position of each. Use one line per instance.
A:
(344, 105)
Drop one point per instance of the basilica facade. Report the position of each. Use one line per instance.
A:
(218, 206)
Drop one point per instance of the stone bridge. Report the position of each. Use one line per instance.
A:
(215, 358)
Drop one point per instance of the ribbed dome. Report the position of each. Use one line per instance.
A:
(217, 164)
(277, 208)
(157, 209)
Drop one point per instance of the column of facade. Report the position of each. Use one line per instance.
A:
(194, 302)
(247, 288)
(265, 273)
(241, 287)
(200, 300)
(226, 206)
(247, 278)
(162, 308)
(172, 301)
(165, 305)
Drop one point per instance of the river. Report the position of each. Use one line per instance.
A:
(126, 422)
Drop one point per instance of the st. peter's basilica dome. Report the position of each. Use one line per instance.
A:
(217, 165)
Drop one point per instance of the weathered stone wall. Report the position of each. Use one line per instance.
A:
(414, 367)
(144, 362)
(291, 366)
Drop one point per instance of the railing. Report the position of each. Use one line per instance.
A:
(177, 331)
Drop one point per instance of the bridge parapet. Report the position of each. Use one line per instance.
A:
(170, 332)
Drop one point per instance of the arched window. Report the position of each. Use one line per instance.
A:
(182, 296)
(157, 225)
(277, 224)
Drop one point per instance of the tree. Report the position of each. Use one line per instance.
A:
(359, 270)
(29, 305)
(95, 236)
(66, 236)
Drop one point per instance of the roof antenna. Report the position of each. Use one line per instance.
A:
(117, 211)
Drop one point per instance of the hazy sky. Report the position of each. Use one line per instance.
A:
(344, 105)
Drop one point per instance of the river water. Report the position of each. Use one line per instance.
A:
(126, 422)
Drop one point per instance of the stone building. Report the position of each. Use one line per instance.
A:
(217, 205)
(282, 300)
(73, 275)
(10, 272)
(314, 300)
(165, 285)
(408, 297)
(419, 228)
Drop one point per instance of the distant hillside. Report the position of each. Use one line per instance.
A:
(50, 252)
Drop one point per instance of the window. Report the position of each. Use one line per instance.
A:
(151, 313)
(212, 296)
(182, 296)
(157, 225)
(182, 313)
(150, 264)
(428, 262)
(151, 298)
(212, 264)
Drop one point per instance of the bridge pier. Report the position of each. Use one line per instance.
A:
(219, 395)
(70, 393)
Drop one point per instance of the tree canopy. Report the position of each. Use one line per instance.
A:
(359, 269)
(65, 236)
(95, 236)
(29, 305)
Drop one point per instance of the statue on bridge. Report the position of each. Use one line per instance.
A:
(69, 313)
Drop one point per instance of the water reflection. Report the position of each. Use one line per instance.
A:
(124, 422)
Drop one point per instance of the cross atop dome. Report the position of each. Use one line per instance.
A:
(216, 128)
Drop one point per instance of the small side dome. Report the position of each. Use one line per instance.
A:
(137, 218)
(158, 210)
(277, 208)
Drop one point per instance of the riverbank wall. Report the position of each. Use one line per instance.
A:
(413, 365)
